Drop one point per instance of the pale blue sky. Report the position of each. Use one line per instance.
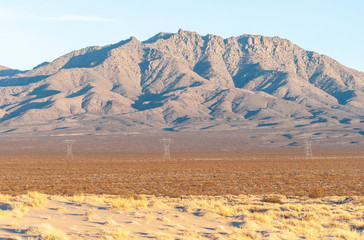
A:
(33, 31)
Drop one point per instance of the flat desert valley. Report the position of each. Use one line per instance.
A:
(121, 188)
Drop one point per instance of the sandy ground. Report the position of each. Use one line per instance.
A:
(40, 216)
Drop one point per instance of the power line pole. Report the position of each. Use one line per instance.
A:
(69, 144)
(166, 144)
(308, 148)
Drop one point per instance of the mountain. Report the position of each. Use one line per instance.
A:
(3, 68)
(184, 82)
(6, 72)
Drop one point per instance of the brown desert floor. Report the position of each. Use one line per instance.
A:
(217, 174)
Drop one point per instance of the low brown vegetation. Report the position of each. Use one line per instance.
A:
(101, 174)
(317, 193)
(272, 199)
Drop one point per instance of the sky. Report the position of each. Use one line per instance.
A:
(34, 31)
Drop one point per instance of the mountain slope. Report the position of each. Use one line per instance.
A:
(6, 72)
(184, 81)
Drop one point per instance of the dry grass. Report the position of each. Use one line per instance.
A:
(272, 199)
(125, 203)
(115, 202)
(299, 216)
(16, 206)
(121, 233)
(47, 232)
(245, 217)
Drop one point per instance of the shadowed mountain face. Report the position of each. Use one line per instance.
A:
(183, 81)
(8, 72)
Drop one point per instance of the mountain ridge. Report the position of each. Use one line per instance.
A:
(183, 81)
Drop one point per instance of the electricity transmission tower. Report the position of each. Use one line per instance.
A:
(308, 148)
(69, 144)
(166, 143)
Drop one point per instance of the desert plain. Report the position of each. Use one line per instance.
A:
(114, 192)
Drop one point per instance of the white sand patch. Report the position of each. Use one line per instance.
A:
(200, 217)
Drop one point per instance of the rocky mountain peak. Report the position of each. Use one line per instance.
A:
(3, 68)
(184, 80)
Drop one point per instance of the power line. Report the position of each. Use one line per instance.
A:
(308, 148)
(166, 144)
(69, 144)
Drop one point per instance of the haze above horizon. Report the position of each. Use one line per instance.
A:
(38, 30)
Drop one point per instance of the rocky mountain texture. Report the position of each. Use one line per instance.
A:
(183, 81)
(7, 72)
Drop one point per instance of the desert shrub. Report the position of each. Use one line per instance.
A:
(77, 199)
(36, 199)
(136, 197)
(4, 198)
(317, 193)
(121, 233)
(126, 203)
(21, 204)
(47, 232)
(272, 199)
